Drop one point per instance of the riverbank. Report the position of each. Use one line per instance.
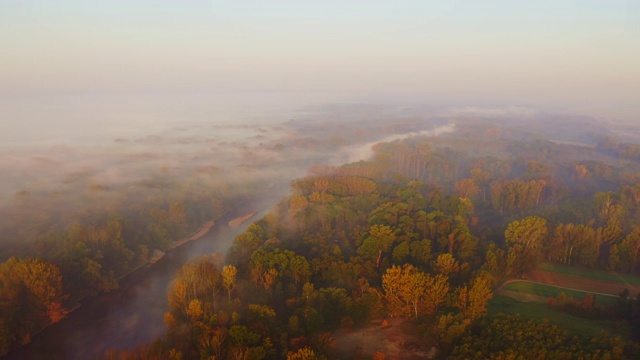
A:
(241, 219)
(202, 231)
(158, 254)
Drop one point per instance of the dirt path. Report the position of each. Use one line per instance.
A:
(524, 297)
(572, 282)
(505, 292)
(399, 340)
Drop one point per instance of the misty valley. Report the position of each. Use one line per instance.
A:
(345, 231)
(319, 180)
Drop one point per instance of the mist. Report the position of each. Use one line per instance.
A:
(128, 127)
(365, 152)
(75, 152)
(63, 167)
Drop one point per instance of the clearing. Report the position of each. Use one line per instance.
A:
(400, 340)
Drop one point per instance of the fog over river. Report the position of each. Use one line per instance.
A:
(65, 156)
(133, 314)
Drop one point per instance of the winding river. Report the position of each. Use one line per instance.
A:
(133, 314)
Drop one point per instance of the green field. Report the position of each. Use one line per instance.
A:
(572, 324)
(529, 300)
(625, 279)
(549, 291)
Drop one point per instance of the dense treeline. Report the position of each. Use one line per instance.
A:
(621, 150)
(30, 295)
(422, 231)
(512, 337)
(62, 262)
(335, 256)
(340, 252)
(585, 226)
(419, 232)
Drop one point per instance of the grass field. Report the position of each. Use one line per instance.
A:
(591, 274)
(529, 298)
(549, 291)
(572, 324)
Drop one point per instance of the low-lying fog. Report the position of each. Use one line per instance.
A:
(67, 154)
(62, 143)
(63, 155)
(89, 134)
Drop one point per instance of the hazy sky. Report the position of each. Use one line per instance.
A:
(578, 55)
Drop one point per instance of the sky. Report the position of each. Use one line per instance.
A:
(580, 56)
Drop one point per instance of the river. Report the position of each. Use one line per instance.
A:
(133, 314)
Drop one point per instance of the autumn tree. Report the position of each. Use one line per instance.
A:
(495, 261)
(409, 290)
(508, 195)
(229, 273)
(610, 215)
(298, 204)
(467, 188)
(472, 301)
(481, 178)
(629, 251)
(305, 353)
(574, 244)
(437, 290)
(525, 239)
(30, 297)
(199, 279)
(446, 264)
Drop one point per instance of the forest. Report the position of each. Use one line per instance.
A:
(319, 180)
(425, 233)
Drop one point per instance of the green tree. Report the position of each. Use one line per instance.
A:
(243, 247)
(379, 241)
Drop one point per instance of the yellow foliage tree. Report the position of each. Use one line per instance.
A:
(229, 274)
(305, 353)
(410, 291)
(473, 301)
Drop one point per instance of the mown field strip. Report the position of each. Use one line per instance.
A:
(547, 291)
(624, 279)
